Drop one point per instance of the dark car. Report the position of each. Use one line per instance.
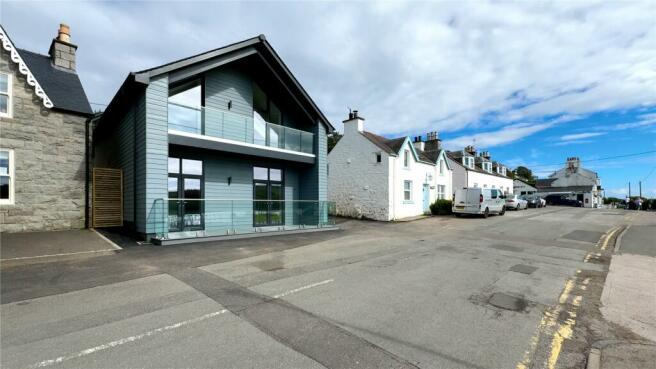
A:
(562, 200)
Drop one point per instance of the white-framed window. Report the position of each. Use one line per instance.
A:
(441, 167)
(406, 159)
(407, 190)
(7, 178)
(487, 167)
(494, 186)
(475, 185)
(469, 161)
(5, 95)
(441, 192)
(503, 171)
(484, 186)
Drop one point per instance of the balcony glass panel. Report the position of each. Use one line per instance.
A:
(237, 127)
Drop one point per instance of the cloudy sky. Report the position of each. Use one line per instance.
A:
(531, 82)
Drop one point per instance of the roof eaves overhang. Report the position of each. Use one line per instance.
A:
(256, 45)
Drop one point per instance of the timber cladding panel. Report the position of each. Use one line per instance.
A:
(107, 197)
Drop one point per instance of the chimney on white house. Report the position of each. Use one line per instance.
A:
(354, 123)
(62, 51)
(573, 163)
(419, 143)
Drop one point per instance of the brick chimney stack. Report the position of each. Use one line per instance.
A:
(62, 51)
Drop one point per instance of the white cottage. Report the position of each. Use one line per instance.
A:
(370, 176)
(472, 170)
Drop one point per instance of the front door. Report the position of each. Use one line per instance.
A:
(426, 194)
(185, 187)
(268, 197)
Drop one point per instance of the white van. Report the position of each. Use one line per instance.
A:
(481, 201)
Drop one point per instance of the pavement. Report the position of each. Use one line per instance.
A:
(37, 247)
(514, 291)
(629, 299)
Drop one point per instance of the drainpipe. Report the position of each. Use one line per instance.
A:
(393, 188)
(86, 172)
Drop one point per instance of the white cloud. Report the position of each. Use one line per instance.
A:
(408, 67)
(579, 136)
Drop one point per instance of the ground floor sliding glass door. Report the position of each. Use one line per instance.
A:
(185, 192)
(268, 197)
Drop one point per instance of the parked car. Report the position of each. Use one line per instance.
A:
(562, 200)
(479, 201)
(515, 202)
(534, 201)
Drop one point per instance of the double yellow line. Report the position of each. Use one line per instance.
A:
(549, 324)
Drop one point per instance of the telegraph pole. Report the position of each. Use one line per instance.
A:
(640, 187)
(629, 189)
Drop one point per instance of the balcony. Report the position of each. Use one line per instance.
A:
(184, 220)
(223, 130)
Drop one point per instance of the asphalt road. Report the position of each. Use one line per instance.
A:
(434, 293)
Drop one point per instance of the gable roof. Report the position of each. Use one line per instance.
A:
(199, 63)
(389, 145)
(63, 87)
(57, 88)
(544, 183)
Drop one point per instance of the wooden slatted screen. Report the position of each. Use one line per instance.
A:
(107, 197)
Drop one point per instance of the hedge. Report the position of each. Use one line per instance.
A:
(441, 207)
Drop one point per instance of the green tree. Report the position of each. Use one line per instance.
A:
(525, 174)
(333, 139)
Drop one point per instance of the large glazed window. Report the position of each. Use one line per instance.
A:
(268, 197)
(185, 107)
(185, 191)
(5, 95)
(263, 108)
(6, 177)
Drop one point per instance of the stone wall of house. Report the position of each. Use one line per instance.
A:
(49, 163)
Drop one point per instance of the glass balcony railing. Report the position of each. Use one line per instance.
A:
(232, 126)
(187, 218)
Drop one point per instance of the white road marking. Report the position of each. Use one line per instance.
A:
(123, 341)
(302, 288)
(137, 337)
(64, 254)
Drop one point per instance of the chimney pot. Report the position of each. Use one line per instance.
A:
(64, 33)
(62, 51)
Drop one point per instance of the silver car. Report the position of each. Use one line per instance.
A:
(515, 202)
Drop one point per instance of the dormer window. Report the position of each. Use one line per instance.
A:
(487, 167)
(468, 161)
(503, 171)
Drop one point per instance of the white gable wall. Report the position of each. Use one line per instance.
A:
(419, 174)
(357, 184)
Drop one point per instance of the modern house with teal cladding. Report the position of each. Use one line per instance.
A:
(220, 144)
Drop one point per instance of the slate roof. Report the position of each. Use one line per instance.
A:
(389, 145)
(456, 157)
(62, 87)
(544, 183)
